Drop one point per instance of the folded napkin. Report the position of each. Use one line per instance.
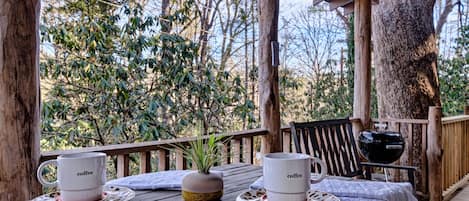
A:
(168, 180)
(164, 180)
(356, 199)
(359, 189)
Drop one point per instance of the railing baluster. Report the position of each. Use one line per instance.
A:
(180, 160)
(424, 158)
(236, 150)
(122, 165)
(193, 166)
(163, 159)
(225, 154)
(410, 150)
(145, 162)
(247, 150)
(286, 141)
(243, 151)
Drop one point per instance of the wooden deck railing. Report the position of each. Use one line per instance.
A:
(239, 149)
(454, 146)
(454, 132)
(411, 129)
(455, 135)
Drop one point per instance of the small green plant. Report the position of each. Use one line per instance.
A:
(205, 152)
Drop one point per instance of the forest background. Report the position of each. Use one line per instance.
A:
(123, 71)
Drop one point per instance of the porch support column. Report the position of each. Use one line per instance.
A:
(268, 75)
(435, 153)
(19, 99)
(362, 76)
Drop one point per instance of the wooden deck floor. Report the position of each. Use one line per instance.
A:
(462, 195)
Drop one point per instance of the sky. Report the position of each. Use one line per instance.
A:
(289, 9)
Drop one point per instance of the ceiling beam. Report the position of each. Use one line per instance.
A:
(349, 8)
(348, 5)
(334, 4)
(316, 2)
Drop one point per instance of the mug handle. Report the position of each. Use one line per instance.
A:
(323, 174)
(41, 178)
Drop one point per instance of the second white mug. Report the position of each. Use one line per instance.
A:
(80, 177)
(287, 176)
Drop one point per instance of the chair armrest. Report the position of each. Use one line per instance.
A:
(410, 170)
(388, 166)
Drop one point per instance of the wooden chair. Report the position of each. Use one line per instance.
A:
(333, 142)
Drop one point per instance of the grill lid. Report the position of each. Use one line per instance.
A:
(381, 146)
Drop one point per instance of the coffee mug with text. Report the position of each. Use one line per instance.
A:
(287, 176)
(80, 177)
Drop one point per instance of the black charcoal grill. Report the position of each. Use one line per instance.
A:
(381, 146)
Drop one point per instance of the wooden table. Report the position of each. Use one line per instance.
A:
(237, 178)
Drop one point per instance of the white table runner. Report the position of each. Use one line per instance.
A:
(354, 190)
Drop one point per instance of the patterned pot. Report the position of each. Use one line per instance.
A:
(202, 187)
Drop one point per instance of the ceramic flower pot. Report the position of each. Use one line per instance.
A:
(202, 187)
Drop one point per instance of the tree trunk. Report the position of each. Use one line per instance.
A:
(253, 57)
(246, 61)
(165, 29)
(164, 21)
(19, 99)
(269, 106)
(405, 58)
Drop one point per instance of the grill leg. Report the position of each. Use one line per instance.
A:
(385, 174)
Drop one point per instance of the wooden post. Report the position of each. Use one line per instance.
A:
(269, 105)
(466, 110)
(362, 76)
(357, 126)
(19, 99)
(434, 154)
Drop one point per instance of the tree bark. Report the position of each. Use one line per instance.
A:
(406, 69)
(268, 76)
(19, 99)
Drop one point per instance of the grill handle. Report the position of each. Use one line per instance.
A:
(394, 146)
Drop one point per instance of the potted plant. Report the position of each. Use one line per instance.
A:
(203, 185)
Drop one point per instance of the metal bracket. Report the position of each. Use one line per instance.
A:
(275, 53)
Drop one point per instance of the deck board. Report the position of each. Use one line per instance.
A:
(237, 178)
(462, 195)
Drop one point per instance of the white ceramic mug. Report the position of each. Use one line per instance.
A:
(80, 177)
(287, 176)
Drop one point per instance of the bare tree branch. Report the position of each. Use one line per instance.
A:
(449, 5)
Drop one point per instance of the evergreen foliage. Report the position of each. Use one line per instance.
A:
(454, 77)
(110, 76)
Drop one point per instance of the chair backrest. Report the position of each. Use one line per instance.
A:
(330, 140)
